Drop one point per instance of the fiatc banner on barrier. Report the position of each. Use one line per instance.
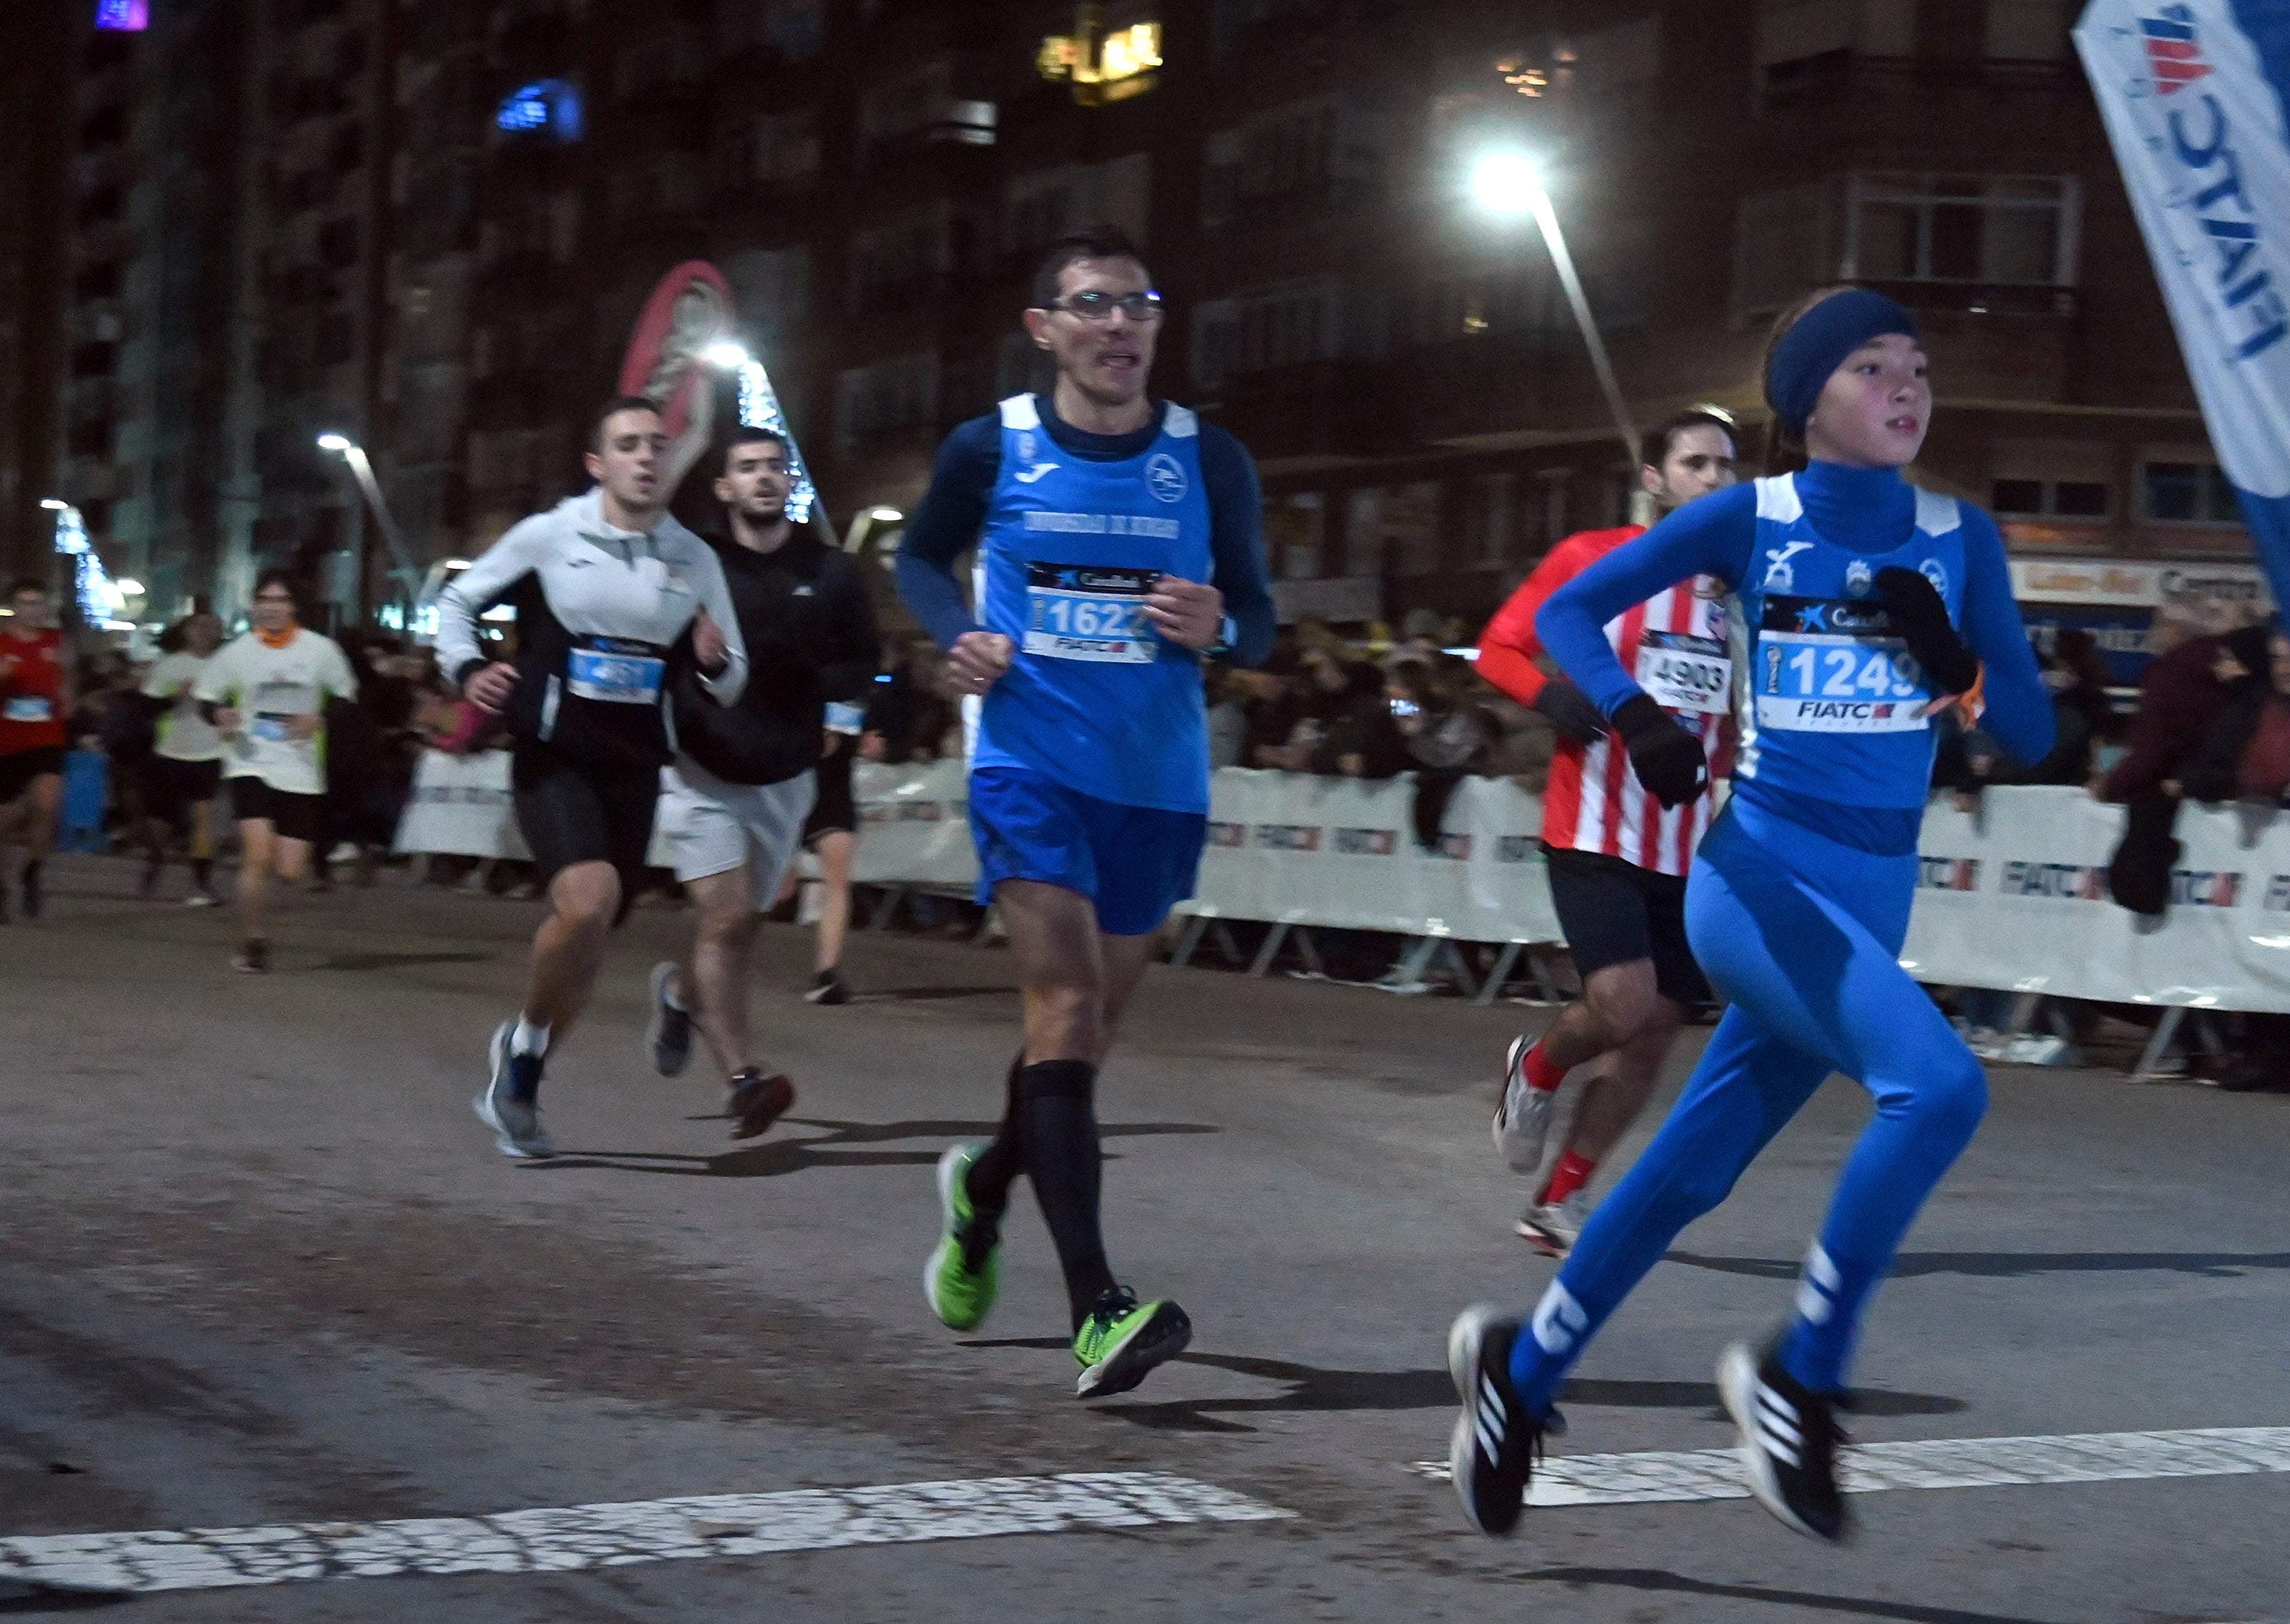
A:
(2194, 96)
(2015, 897)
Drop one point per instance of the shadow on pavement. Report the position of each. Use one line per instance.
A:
(2015, 1265)
(1313, 1389)
(398, 961)
(1678, 1584)
(775, 1158)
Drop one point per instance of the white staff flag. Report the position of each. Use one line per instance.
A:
(2193, 93)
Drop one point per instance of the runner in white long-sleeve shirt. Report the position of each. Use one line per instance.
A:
(614, 598)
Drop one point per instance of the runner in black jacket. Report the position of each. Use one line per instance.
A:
(733, 806)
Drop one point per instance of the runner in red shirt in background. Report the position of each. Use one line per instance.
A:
(1616, 859)
(36, 702)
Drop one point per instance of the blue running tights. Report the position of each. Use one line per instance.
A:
(1803, 936)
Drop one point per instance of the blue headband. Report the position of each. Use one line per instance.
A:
(1818, 345)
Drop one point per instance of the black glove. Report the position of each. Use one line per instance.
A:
(1569, 709)
(1668, 759)
(1921, 618)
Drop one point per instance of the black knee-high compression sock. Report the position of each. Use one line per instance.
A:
(998, 1165)
(1059, 1140)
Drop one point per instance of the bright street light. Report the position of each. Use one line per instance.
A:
(726, 353)
(53, 504)
(133, 589)
(886, 516)
(1507, 181)
(336, 442)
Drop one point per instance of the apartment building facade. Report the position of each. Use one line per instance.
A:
(451, 216)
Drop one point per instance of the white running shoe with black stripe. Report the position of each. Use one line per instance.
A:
(1496, 1442)
(1789, 1440)
(1523, 1115)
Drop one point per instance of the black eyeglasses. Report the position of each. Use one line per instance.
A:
(1095, 307)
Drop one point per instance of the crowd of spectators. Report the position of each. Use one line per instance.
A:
(1373, 709)
(2211, 724)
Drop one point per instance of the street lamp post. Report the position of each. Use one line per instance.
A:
(362, 469)
(759, 408)
(1508, 182)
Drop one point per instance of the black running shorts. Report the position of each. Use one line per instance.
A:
(1615, 913)
(294, 817)
(172, 788)
(570, 814)
(19, 768)
(833, 812)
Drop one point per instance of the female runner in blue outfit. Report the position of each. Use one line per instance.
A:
(1861, 606)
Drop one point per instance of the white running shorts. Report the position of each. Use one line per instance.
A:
(711, 827)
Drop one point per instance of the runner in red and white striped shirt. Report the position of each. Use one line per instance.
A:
(1615, 856)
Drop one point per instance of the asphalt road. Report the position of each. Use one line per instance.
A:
(263, 1266)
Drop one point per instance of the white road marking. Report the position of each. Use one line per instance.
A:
(611, 1535)
(1660, 1475)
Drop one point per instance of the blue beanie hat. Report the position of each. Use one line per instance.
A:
(1818, 344)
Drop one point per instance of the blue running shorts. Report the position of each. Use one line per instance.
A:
(1134, 863)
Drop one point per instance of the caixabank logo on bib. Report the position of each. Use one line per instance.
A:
(1229, 835)
(1287, 836)
(1367, 842)
(1948, 874)
(2059, 882)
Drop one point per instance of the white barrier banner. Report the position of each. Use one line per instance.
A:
(914, 825)
(459, 805)
(2016, 897)
(1342, 853)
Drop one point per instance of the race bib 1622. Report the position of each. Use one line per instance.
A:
(1089, 612)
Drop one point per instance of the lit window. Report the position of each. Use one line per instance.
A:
(2064, 498)
(2190, 493)
(2017, 229)
(122, 16)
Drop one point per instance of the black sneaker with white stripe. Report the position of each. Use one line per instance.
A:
(1496, 1442)
(1789, 1440)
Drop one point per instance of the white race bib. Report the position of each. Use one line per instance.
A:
(615, 678)
(1089, 612)
(1812, 683)
(1683, 672)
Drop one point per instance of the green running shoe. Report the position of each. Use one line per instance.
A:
(1122, 1341)
(961, 1296)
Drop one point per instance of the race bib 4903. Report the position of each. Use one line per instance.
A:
(1683, 672)
(1089, 612)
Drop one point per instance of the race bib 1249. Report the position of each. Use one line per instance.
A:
(1089, 612)
(1835, 667)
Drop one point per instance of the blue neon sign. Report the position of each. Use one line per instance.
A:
(546, 108)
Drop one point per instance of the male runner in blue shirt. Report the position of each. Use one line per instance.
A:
(1119, 538)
